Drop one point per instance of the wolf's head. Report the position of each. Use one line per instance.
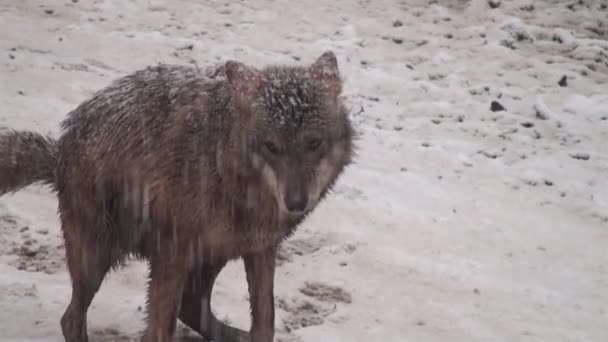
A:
(295, 127)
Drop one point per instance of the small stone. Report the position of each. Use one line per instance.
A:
(541, 115)
(436, 121)
(343, 263)
(580, 156)
(490, 155)
(494, 3)
(527, 8)
(49, 11)
(527, 124)
(548, 182)
(563, 82)
(397, 40)
(425, 144)
(403, 169)
(397, 23)
(187, 47)
(449, 36)
(495, 106)
(476, 291)
(541, 248)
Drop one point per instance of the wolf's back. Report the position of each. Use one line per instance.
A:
(26, 158)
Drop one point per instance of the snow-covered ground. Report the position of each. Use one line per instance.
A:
(457, 223)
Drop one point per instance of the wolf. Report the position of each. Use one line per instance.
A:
(188, 170)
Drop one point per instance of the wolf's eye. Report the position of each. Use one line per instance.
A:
(314, 144)
(271, 147)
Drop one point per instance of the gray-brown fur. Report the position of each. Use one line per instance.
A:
(188, 170)
(26, 158)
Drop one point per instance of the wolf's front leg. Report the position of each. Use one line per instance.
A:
(167, 279)
(260, 278)
(195, 309)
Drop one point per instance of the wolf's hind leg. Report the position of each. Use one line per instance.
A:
(88, 265)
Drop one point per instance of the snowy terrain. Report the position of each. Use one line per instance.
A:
(457, 222)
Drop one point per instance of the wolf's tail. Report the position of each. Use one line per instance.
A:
(26, 158)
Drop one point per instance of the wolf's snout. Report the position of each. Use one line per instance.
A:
(296, 201)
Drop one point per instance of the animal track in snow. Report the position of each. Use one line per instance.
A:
(303, 313)
(298, 247)
(34, 251)
(326, 293)
(109, 335)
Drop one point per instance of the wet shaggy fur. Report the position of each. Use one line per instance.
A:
(25, 158)
(188, 170)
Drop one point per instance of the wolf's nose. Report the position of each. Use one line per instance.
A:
(296, 202)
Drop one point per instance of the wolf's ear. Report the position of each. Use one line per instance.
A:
(244, 80)
(325, 70)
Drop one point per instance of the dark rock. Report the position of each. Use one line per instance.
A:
(527, 124)
(494, 3)
(528, 8)
(187, 47)
(563, 82)
(580, 156)
(495, 106)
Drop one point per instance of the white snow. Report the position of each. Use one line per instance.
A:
(455, 224)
